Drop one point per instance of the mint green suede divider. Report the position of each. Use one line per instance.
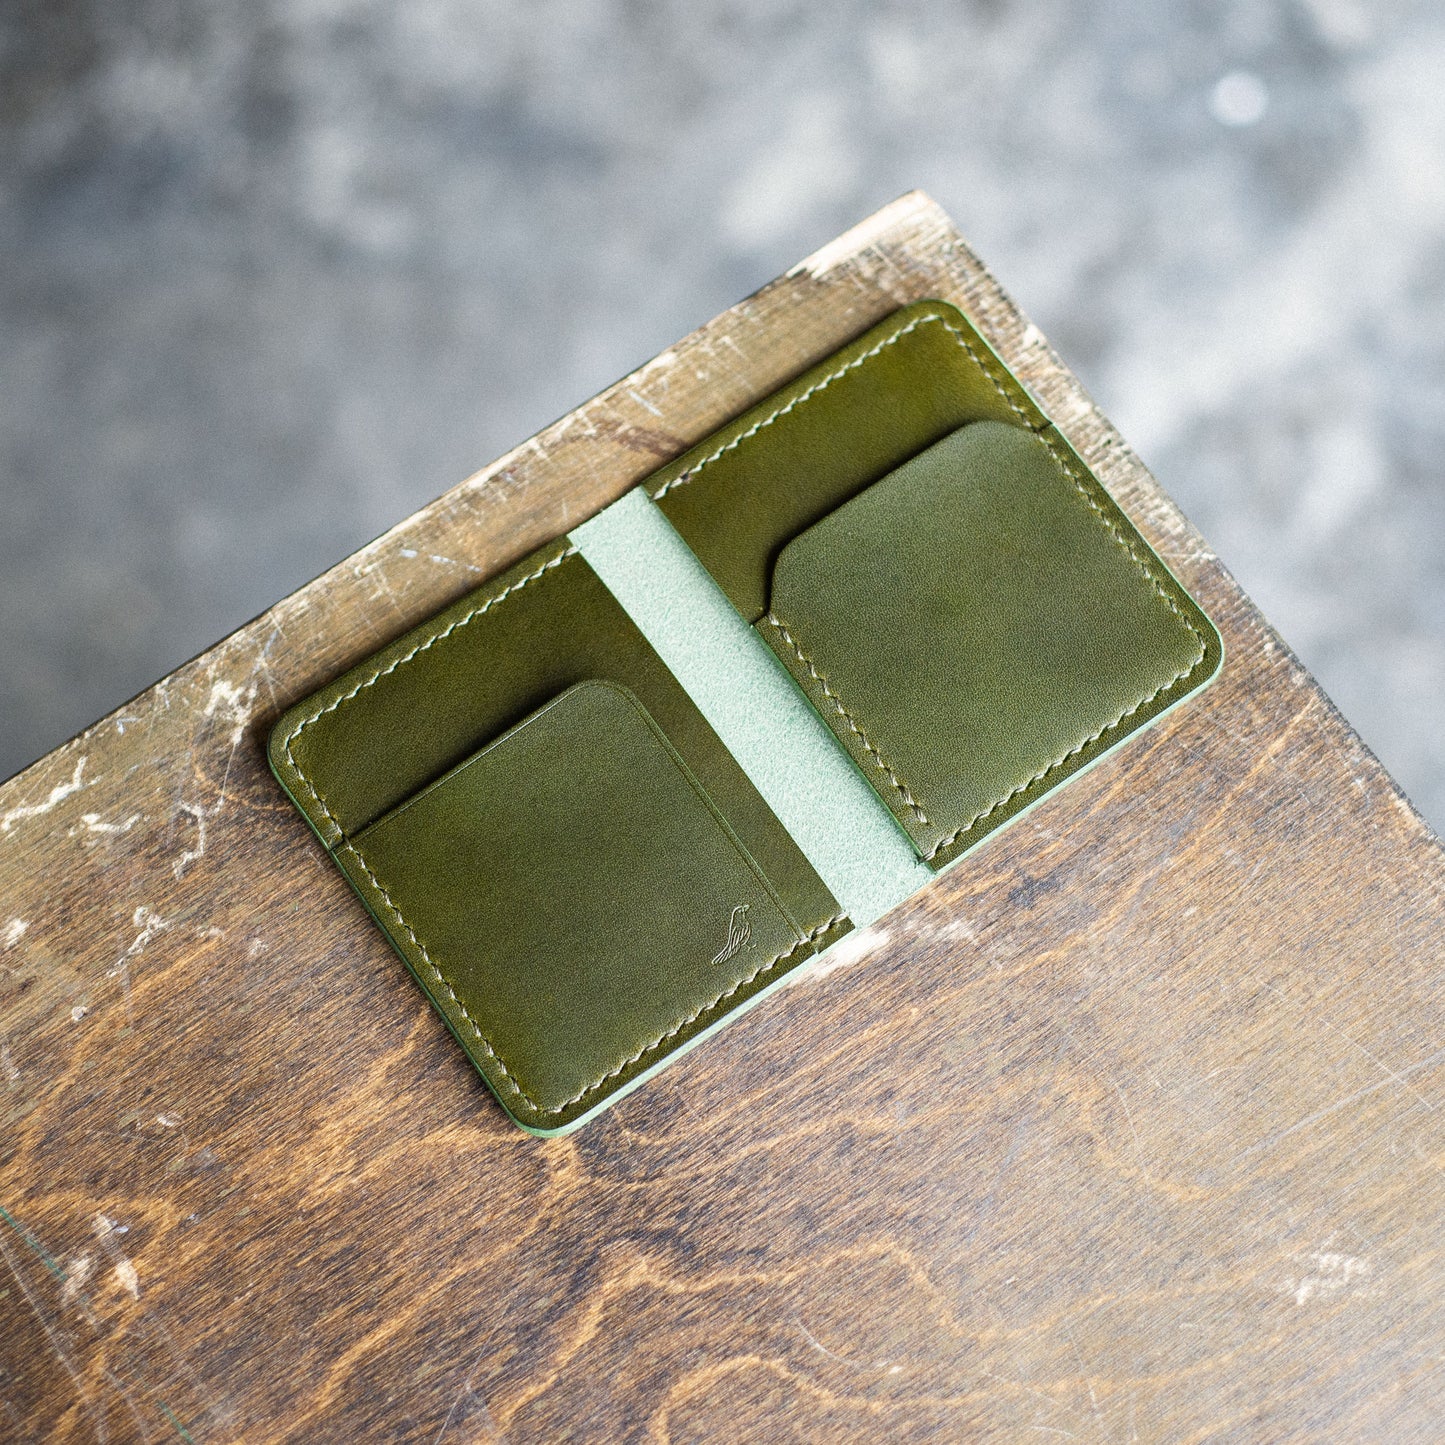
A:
(754, 706)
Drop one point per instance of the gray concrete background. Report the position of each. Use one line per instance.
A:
(276, 273)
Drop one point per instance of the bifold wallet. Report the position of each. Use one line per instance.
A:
(614, 795)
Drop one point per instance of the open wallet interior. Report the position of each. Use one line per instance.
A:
(616, 794)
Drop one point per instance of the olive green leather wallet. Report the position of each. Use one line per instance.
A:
(614, 795)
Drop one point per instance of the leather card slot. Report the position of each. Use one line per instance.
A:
(979, 624)
(379, 734)
(574, 903)
(794, 457)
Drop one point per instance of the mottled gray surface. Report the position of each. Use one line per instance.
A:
(276, 273)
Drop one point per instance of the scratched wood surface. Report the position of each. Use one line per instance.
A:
(1127, 1129)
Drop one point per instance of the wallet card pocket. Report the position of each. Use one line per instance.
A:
(977, 625)
(574, 903)
(583, 874)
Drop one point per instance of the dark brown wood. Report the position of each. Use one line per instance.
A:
(1128, 1129)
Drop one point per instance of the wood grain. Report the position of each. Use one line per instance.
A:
(1128, 1129)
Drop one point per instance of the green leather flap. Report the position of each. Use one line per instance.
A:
(394, 764)
(369, 740)
(978, 625)
(743, 493)
(574, 902)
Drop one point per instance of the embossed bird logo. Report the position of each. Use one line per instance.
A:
(739, 932)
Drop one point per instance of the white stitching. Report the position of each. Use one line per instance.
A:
(797, 401)
(853, 723)
(1038, 777)
(811, 937)
(381, 672)
(1080, 484)
(421, 948)
(571, 551)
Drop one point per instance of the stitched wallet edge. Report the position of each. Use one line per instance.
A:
(294, 782)
(1134, 716)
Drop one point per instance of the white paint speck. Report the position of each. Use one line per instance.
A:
(850, 949)
(125, 1273)
(233, 703)
(1330, 1272)
(14, 931)
(643, 402)
(168, 1121)
(94, 823)
(150, 923)
(78, 1013)
(231, 700)
(107, 1231)
(440, 559)
(57, 795)
(1239, 99)
(190, 855)
(77, 1271)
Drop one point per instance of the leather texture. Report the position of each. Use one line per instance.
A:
(397, 727)
(581, 876)
(372, 738)
(592, 906)
(741, 496)
(978, 625)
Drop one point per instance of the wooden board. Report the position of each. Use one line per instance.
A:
(1128, 1129)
